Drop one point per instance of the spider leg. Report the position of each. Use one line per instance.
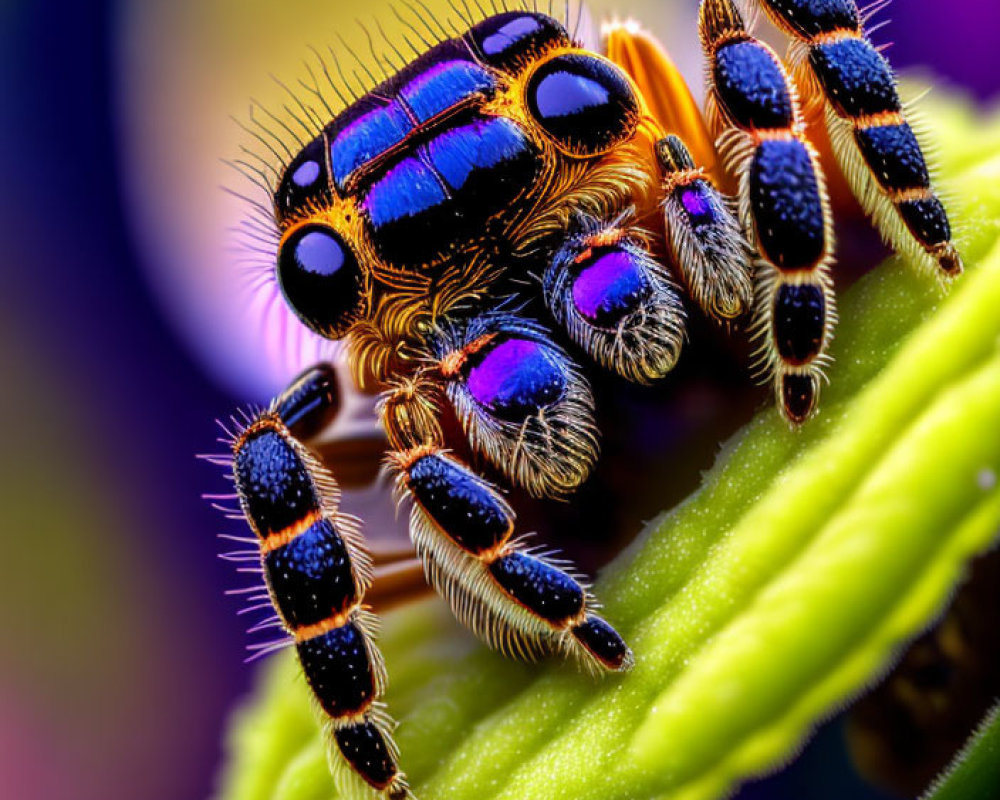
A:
(347, 433)
(516, 600)
(877, 148)
(783, 204)
(317, 571)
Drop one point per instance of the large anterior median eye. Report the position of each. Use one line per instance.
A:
(320, 277)
(583, 102)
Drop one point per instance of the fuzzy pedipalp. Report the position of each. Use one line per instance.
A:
(615, 299)
(522, 402)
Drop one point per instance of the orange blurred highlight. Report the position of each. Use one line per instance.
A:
(667, 95)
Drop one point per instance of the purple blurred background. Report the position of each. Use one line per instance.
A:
(120, 656)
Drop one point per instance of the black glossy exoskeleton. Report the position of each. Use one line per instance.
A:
(416, 225)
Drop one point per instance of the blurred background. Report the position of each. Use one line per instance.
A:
(122, 339)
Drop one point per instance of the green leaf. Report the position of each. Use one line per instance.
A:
(975, 772)
(759, 606)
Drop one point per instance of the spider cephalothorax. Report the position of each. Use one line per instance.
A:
(506, 208)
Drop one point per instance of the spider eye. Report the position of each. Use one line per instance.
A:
(305, 182)
(321, 279)
(582, 102)
(509, 41)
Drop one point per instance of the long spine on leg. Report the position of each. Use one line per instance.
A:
(876, 146)
(317, 571)
(783, 203)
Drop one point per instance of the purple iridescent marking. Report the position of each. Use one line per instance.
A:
(516, 378)
(697, 201)
(610, 287)
(306, 174)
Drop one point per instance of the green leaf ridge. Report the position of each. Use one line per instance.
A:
(974, 774)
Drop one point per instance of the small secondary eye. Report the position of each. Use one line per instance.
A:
(320, 277)
(304, 183)
(510, 41)
(306, 174)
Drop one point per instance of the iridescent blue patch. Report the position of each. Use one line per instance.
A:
(367, 137)
(610, 287)
(481, 145)
(406, 190)
(443, 86)
(450, 189)
(517, 377)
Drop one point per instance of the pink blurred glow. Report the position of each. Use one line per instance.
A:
(26, 750)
